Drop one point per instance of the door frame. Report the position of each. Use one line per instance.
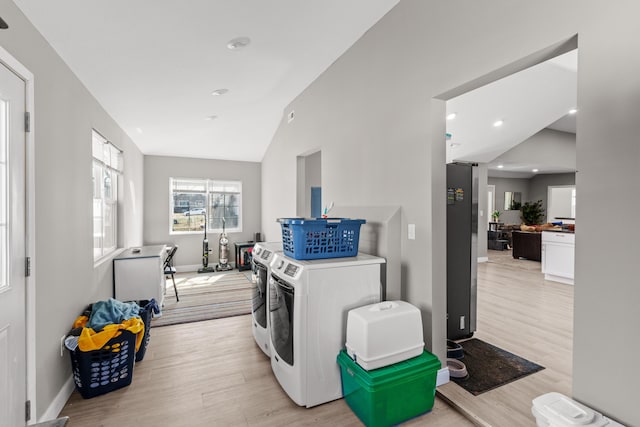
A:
(30, 239)
(492, 188)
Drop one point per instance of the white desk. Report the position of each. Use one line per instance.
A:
(140, 276)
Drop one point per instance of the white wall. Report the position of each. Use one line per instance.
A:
(539, 185)
(373, 115)
(502, 185)
(158, 170)
(309, 175)
(66, 280)
(554, 149)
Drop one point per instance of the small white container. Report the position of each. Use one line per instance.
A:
(384, 333)
(557, 410)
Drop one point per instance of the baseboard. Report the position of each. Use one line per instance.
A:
(188, 268)
(59, 401)
(194, 268)
(483, 259)
(442, 376)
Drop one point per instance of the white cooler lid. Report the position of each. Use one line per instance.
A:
(559, 410)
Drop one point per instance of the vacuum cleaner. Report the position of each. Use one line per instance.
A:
(223, 246)
(205, 251)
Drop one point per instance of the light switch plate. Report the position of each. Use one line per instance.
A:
(412, 232)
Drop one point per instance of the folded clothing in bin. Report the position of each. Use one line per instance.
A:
(111, 311)
(91, 340)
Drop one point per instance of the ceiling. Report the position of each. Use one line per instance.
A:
(526, 102)
(153, 65)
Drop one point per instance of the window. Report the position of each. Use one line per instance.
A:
(107, 168)
(196, 201)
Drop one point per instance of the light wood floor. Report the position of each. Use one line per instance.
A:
(213, 374)
(520, 312)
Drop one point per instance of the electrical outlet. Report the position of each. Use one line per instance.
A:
(62, 347)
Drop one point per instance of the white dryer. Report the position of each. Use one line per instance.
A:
(308, 306)
(262, 256)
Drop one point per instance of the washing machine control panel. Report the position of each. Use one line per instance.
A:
(291, 270)
(265, 254)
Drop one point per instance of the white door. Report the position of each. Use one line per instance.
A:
(491, 201)
(13, 369)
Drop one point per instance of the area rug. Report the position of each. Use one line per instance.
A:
(205, 297)
(490, 367)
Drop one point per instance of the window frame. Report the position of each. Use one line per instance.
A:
(207, 184)
(112, 168)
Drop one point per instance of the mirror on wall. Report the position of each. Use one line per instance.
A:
(512, 200)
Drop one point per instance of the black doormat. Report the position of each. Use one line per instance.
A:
(490, 367)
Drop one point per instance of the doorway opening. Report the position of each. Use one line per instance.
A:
(517, 159)
(309, 185)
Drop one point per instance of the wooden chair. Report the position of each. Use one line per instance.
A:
(170, 270)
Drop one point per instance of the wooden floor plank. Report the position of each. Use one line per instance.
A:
(520, 312)
(212, 373)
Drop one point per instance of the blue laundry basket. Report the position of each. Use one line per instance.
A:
(319, 238)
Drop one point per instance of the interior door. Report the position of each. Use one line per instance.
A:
(13, 370)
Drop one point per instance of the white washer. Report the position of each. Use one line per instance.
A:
(262, 256)
(308, 306)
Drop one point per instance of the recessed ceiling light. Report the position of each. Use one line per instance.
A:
(139, 130)
(573, 111)
(534, 170)
(212, 117)
(500, 166)
(238, 43)
(498, 123)
(219, 92)
(451, 116)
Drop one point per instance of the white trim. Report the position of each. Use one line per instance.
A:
(187, 268)
(559, 279)
(8, 60)
(442, 376)
(107, 258)
(59, 401)
(482, 259)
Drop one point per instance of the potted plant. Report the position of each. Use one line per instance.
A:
(532, 213)
(495, 215)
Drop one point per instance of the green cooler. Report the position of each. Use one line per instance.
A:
(392, 394)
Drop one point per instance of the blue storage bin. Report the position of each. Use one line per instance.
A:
(319, 238)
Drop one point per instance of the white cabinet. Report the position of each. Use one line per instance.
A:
(558, 256)
(140, 275)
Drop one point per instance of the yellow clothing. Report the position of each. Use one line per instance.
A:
(92, 340)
